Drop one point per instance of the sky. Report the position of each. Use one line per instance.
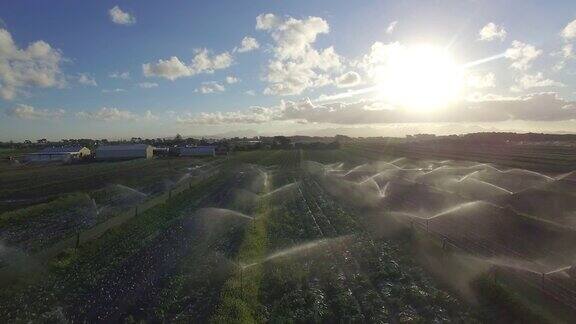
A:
(121, 69)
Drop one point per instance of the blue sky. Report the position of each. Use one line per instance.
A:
(126, 68)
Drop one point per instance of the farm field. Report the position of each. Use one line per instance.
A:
(358, 234)
(25, 185)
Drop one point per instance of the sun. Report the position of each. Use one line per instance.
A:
(422, 78)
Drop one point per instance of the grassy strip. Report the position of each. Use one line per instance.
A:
(241, 294)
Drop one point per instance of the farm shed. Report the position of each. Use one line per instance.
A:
(58, 154)
(197, 151)
(124, 152)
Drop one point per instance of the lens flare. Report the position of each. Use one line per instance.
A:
(422, 77)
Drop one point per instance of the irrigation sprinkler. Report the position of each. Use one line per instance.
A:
(78, 239)
(543, 276)
(494, 272)
(444, 243)
(241, 282)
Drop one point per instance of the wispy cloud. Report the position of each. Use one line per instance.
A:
(116, 90)
(119, 75)
(29, 112)
(147, 85)
(211, 87)
(391, 27)
(86, 79)
(488, 109)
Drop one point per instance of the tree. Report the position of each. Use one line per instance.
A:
(281, 142)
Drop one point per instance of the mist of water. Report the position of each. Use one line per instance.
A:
(284, 188)
(295, 250)
(222, 212)
(183, 178)
(130, 190)
(356, 168)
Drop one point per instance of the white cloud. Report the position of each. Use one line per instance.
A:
(267, 21)
(568, 51)
(119, 75)
(248, 44)
(149, 116)
(379, 56)
(297, 65)
(211, 87)
(492, 32)
(481, 81)
(147, 85)
(107, 114)
(116, 90)
(171, 69)
(529, 81)
(202, 62)
(348, 79)
(254, 115)
(250, 92)
(86, 79)
(391, 27)
(293, 37)
(522, 55)
(569, 32)
(232, 79)
(121, 17)
(37, 65)
(28, 112)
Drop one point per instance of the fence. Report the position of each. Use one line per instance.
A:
(472, 245)
(96, 231)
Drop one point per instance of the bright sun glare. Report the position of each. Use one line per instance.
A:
(421, 78)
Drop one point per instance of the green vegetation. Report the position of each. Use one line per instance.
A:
(503, 305)
(28, 184)
(267, 239)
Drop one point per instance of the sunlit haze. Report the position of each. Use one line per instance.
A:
(267, 161)
(420, 77)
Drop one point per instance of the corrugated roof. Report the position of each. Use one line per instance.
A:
(122, 147)
(61, 149)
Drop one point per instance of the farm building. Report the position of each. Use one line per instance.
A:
(124, 152)
(58, 154)
(197, 151)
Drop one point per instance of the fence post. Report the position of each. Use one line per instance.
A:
(136, 210)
